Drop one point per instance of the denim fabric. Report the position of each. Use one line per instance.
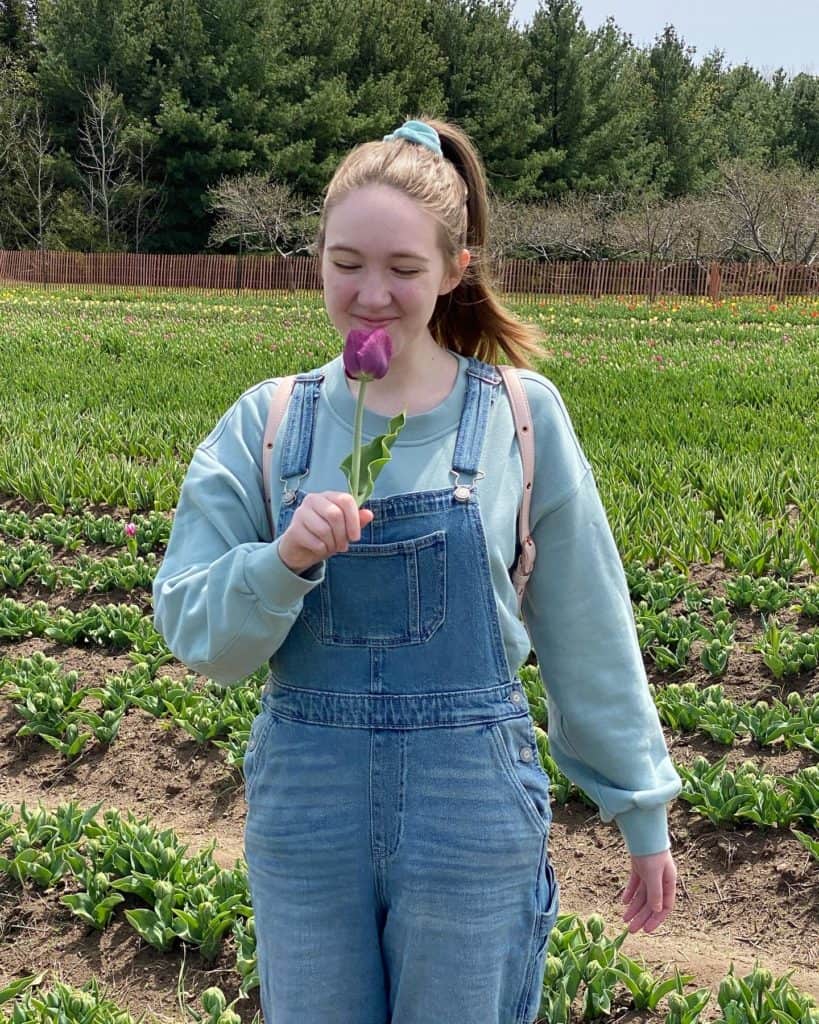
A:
(397, 812)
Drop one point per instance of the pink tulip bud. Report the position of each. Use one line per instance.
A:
(367, 354)
(130, 530)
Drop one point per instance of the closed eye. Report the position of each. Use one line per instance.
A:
(397, 270)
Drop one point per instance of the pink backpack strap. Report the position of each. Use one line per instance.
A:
(522, 417)
(524, 431)
(274, 418)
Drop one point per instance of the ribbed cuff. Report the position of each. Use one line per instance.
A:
(278, 587)
(645, 829)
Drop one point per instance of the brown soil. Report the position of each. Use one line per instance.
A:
(743, 894)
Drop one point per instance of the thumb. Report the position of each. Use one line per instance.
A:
(365, 516)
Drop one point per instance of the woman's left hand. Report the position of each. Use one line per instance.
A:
(651, 891)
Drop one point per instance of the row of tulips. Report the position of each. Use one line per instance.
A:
(192, 900)
(755, 998)
(659, 588)
(72, 531)
(686, 707)
(668, 639)
(49, 701)
(113, 626)
(55, 708)
(124, 860)
(665, 638)
(32, 563)
(655, 589)
(33, 1000)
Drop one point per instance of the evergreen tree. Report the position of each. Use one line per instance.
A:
(559, 74)
(486, 89)
(614, 150)
(782, 144)
(353, 70)
(747, 115)
(199, 73)
(15, 28)
(677, 114)
(804, 118)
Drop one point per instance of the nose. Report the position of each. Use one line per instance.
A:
(374, 291)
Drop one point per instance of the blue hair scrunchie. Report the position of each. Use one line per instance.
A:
(417, 131)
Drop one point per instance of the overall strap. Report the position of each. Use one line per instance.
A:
(526, 443)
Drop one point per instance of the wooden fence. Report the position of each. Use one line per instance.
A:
(526, 279)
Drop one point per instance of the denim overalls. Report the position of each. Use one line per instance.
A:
(398, 814)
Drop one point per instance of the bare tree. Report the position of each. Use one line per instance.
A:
(29, 157)
(653, 228)
(507, 236)
(262, 214)
(104, 158)
(146, 202)
(773, 214)
(704, 234)
(577, 226)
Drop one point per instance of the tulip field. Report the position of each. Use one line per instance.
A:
(123, 888)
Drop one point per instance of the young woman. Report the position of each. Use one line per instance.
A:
(398, 815)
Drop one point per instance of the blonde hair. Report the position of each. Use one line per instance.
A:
(470, 319)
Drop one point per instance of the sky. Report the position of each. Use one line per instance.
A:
(765, 33)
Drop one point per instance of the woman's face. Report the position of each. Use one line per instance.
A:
(382, 266)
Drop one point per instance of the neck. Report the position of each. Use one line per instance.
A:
(416, 387)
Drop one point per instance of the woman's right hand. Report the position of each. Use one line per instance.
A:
(324, 524)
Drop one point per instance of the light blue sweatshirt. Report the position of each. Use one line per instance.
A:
(225, 601)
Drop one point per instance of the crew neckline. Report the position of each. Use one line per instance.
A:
(418, 429)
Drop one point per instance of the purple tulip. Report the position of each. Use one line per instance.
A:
(367, 354)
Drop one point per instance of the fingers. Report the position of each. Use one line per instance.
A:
(314, 527)
(638, 901)
(327, 520)
(640, 918)
(631, 888)
(648, 919)
(641, 914)
(670, 888)
(649, 907)
(332, 518)
(654, 894)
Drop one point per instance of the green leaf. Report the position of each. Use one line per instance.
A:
(148, 925)
(373, 458)
(12, 990)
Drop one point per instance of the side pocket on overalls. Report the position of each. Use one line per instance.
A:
(530, 1003)
(514, 740)
(259, 729)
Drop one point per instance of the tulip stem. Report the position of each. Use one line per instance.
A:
(359, 419)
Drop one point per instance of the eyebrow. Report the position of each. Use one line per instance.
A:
(393, 255)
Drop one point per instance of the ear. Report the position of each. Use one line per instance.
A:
(451, 281)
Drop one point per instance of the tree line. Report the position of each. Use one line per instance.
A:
(178, 126)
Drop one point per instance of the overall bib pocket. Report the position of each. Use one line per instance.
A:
(516, 748)
(381, 595)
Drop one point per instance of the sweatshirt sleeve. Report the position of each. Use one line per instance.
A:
(223, 598)
(604, 730)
